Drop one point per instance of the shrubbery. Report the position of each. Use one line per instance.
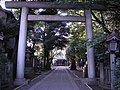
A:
(117, 75)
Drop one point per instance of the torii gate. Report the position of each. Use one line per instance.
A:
(23, 30)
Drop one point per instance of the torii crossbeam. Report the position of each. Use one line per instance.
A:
(55, 5)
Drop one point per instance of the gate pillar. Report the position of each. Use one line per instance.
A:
(21, 47)
(90, 52)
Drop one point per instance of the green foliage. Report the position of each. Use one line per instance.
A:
(70, 53)
(9, 26)
(98, 38)
(3, 59)
(110, 19)
(77, 38)
(117, 75)
(52, 35)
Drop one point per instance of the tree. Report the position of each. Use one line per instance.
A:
(9, 26)
(53, 35)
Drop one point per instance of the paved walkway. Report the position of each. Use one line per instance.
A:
(59, 79)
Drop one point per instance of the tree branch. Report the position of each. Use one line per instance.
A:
(102, 23)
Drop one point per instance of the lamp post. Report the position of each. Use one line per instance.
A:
(112, 40)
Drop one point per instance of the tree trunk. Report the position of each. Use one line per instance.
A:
(48, 67)
(73, 65)
(44, 57)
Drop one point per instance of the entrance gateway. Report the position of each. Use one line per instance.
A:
(26, 17)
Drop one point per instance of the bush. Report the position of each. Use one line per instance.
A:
(3, 59)
(117, 75)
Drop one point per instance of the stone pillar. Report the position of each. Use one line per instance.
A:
(101, 73)
(90, 52)
(21, 47)
(112, 65)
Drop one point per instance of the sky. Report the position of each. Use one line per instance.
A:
(2, 3)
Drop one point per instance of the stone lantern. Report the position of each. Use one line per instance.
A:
(112, 41)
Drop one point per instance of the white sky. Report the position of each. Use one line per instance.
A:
(2, 3)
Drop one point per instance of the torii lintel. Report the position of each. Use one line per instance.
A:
(54, 5)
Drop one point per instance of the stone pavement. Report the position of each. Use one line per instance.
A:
(60, 79)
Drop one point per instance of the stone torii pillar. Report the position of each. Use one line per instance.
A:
(90, 52)
(21, 47)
